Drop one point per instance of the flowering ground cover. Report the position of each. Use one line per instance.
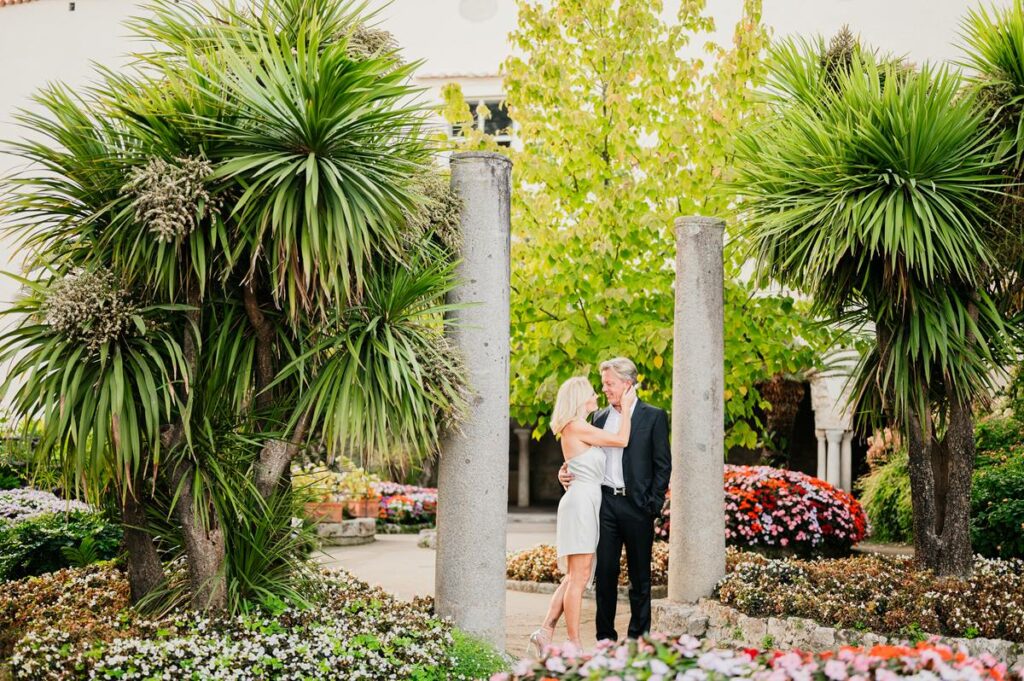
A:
(540, 564)
(659, 658)
(783, 511)
(883, 594)
(18, 505)
(76, 624)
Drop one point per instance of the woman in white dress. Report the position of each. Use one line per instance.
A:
(578, 523)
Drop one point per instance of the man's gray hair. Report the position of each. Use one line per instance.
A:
(623, 368)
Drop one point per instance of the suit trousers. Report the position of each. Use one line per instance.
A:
(623, 523)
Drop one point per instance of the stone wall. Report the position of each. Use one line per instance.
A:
(728, 626)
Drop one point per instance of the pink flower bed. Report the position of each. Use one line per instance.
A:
(773, 508)
(406, 503)
(660, 658)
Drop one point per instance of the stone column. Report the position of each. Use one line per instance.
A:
(820, 434)
(846, 461)
(469, 577)
(523, 496)
(832, 468)
(697, 541)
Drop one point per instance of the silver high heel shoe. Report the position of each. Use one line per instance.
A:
(539, 640)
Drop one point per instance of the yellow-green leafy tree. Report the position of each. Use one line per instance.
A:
(625, 122)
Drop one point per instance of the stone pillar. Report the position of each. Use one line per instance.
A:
(523, 496)
(820, 434)
(697, 541)
(846, 462)
(832, 468)
(469, 578)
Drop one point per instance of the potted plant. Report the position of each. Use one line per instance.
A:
(355, 486)
(318, 483)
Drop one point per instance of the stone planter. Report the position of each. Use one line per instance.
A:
(326, 511)
(347, 532)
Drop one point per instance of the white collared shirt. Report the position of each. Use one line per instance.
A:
(613, 475)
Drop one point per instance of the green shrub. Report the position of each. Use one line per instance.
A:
(37, 545)
(998, 433)
(885, 496)
(997, 509)
(474, 659)
(997, 497)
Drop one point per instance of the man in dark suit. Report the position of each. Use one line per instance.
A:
(633, 493)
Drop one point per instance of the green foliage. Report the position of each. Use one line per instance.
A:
(613, 149)
(474, 659)
(86, 553)
(994, 434)
(238, 244)
(885, 496)
(36, 546)
(997, 509)
(873, 197)
(993, 45)
(997, 493)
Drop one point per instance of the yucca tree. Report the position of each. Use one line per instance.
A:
(993, 54)
(237, 245)
(871, 187)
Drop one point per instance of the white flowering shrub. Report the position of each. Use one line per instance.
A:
(352, 632)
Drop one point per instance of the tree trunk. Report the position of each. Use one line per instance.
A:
(204, 545)
(958, 555)
(145, 571)
(940, 485)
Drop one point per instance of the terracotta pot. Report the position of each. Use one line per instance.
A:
(326, 511)
(363, 508)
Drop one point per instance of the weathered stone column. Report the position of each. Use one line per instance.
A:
(523, 493)
(846, 462)
(820, 472)
(472, 505)
(697, 541)
(832, 468)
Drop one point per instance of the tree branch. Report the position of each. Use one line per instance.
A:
(265, 369)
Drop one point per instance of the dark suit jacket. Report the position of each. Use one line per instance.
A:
(647, 459)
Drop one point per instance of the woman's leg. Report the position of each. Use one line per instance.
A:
(579, 565)
(555, 608)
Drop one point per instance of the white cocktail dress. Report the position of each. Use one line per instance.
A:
(579, 512)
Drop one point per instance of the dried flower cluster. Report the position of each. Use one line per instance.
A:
(445, 375)
(365, 43)
(843, 49)
(440, 213)
(90, 308)
(352, 632)
(685, 658)
(883, 594)
(170, 197)
(539, 564)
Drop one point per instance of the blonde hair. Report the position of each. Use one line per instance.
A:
(571, 402)
(621, 367)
